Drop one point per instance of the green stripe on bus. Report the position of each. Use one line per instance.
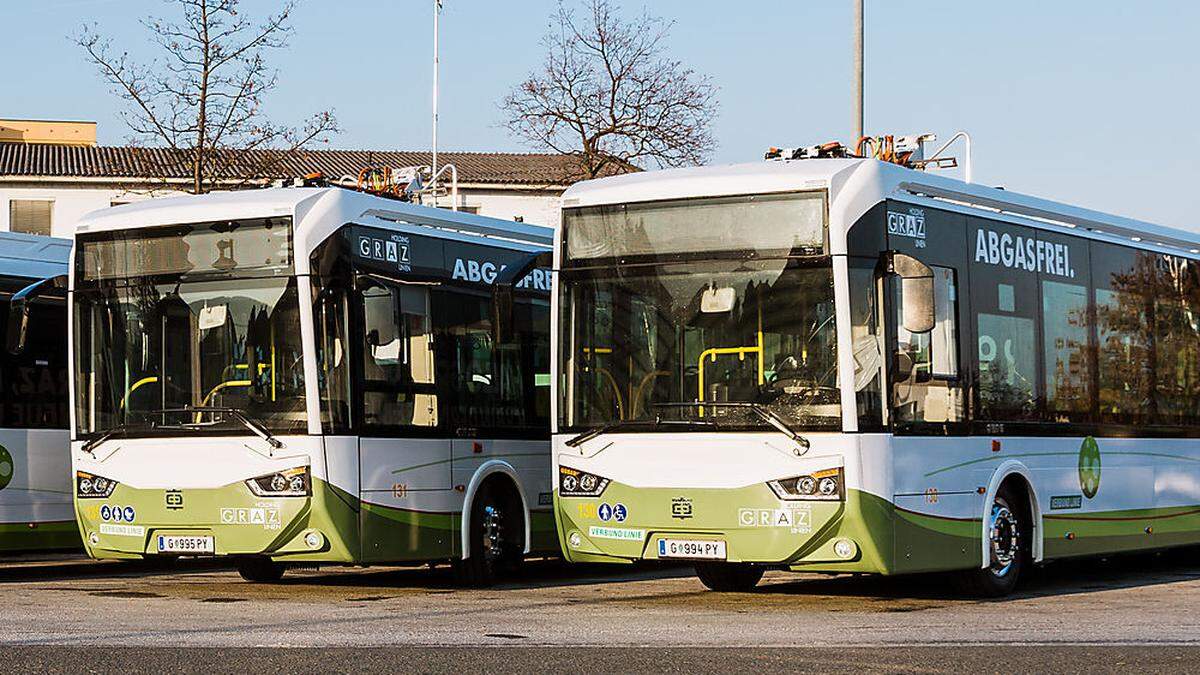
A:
(465, 457)
(1073, 455)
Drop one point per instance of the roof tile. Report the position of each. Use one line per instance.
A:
(125, 162)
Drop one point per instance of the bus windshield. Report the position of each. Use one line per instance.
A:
(145, 346)
(648, 344)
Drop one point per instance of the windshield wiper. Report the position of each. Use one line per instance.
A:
(612, 426)
(594, 432)
(94, 442)
(256, 426)
(765, 414)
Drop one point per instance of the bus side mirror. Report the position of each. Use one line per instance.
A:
(18, 327)
(19, 309)
(916, 292)
(503, 292)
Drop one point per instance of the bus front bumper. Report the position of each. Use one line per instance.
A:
(748, 524)
(227, 521)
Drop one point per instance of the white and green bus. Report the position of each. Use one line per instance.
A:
(311, 375)
(845, 365)
(35, 465)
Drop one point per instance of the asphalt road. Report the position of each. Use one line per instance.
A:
(1130, 613)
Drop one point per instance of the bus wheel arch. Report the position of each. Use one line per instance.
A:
(491, 472)
(1016, 477)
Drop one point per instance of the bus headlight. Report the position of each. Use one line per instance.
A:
(820, 485)
(576, 483)
(91, 486)
(290, 483)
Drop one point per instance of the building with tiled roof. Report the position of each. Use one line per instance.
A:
(51, 173)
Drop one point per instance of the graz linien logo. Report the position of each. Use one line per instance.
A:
(681, 508)
(1089, 467)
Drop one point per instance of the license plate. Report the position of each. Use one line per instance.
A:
(174, 544)
(691, 548)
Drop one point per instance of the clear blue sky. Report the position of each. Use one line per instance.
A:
(1092, 102)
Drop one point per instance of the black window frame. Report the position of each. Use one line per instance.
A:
(335, 266)
(867, 239)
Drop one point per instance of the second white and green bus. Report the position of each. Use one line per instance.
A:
(35, 463)
(845, 365)
(310, 375)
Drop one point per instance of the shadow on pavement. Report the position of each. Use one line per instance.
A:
(537, 573)
(1058, 578)
(59, 566)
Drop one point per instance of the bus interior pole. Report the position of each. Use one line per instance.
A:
(858, 72)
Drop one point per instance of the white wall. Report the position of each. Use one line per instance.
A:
(72, 201)
(537, 208)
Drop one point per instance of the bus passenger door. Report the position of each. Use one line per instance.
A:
(929, 396)
(404, 453)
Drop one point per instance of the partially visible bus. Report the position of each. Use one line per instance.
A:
(35, 465)
(311, 375)
(845, 365)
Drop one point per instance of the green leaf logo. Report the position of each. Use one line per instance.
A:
(1089, 467)
(6, 467)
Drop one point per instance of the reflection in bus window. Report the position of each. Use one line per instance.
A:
(866, 340)
(648, 339)
(495, 386)
(932, 392)
(398, 376)
(1065, 350)
(33, 384)
(154, 346)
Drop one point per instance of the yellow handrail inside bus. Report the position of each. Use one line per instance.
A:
(219, 387)
(637, 398)
(740, 352)
(139, 383)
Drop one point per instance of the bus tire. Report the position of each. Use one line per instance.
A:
(728, 577)
(1010, 531)
(496, 536)
(260, 570)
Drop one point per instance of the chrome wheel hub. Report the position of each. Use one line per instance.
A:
(1005, 537)
(492, 543)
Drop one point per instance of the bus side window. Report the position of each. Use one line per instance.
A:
(932, 391)
(398, 372)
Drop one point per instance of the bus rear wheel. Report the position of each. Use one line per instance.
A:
(1009, 536)
(260, 570)
(728, 577)
(496, 536)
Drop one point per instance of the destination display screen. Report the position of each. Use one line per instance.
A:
(253, 247)
(777, 223)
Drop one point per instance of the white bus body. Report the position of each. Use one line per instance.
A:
(1050, 408)
(35, 474)
(374, 421)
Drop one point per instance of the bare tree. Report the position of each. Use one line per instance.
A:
(608, 95)
(203, 100)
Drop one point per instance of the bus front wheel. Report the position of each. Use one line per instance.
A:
(1009, 535)
(260, 570)
(728, 577)
(496, 536)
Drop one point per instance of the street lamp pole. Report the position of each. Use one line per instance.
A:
(858, 71)
(437, 9)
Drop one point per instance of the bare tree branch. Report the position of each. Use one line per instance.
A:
(203, 100)
(608, 95)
